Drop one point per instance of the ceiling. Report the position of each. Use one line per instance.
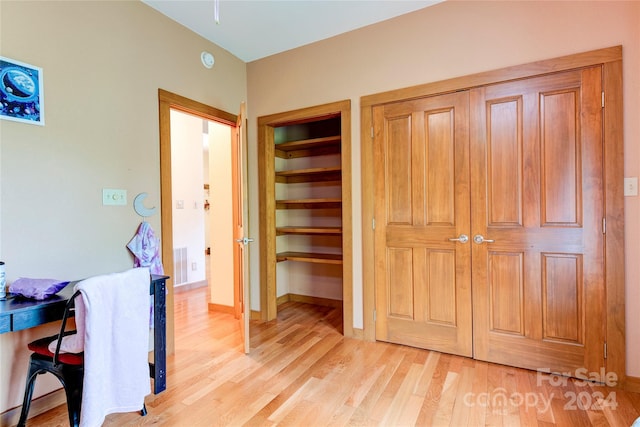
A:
(254, 29)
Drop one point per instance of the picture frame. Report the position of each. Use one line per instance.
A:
(21, 92)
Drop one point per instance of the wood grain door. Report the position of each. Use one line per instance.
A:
(423, 278)
(537, 200)
(240, 230)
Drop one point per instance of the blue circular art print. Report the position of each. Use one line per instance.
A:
(20, 92)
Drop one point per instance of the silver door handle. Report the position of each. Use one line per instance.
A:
(479, 239)
(463, 238)
(244, 240)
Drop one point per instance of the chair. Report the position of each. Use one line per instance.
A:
(69, 368)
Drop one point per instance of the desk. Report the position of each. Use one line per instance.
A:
(18, 313)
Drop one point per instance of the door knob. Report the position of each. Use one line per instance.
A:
(463, 238)
(479, 239)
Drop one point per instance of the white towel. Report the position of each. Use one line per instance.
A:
(73, 343)
(116, 369)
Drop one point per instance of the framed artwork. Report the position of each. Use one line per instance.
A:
(21, 94)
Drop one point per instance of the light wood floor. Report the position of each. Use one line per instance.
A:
(303, 372)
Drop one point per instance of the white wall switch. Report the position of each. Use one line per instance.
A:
(114, 197)
(179, 204)
(631, 186)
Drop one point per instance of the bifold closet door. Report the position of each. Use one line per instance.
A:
(422, 252)
(537, 203)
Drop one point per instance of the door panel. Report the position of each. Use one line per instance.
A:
(504, 154)
(423, 292)
(537, 196)
(401, 272)
(399, 171)
(562, 297)
(506, 280)
(561, 158)
(441, 267)
(241, 218)
(440, 146)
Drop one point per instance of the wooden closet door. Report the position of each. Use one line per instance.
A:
(536, 173)
(422, 279)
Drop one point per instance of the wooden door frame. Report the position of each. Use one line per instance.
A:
(611, 61)
(266, 177)
(168, 101)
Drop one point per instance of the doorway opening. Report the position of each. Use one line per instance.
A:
(201, 173)
(304, 171)
(192, 118)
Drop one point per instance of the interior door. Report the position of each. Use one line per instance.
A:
(241, 218)
(537, 210)
(422, 224)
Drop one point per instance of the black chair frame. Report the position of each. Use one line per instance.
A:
(70, 375)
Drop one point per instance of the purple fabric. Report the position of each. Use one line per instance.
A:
(36, 288)
(145, 247)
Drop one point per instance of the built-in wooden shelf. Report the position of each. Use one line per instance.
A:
(335, 259)
(328, 203)
(304, 171)
(309, 175)
(309, 147)
(310, 231)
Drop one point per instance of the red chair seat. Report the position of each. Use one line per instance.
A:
(41, 347)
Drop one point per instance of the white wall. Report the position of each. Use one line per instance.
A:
(187, 186)
(188, 158)
(220, 213)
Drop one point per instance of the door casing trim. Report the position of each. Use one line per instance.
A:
(266, 125)
(166, 102)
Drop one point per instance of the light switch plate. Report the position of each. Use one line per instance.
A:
(114, 197)
(631, 186)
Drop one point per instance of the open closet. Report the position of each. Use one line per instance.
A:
(305, 209)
